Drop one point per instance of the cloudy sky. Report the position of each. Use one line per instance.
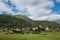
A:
(34, 9)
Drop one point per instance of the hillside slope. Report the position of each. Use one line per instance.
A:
(19, 21)
(13, 21)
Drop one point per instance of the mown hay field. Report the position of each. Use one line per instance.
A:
(30, 36)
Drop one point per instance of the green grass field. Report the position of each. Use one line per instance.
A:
(41, 36)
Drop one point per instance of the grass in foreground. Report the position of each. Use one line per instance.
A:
(41, 36)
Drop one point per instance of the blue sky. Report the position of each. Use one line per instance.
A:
(56, 8)
(34, 9)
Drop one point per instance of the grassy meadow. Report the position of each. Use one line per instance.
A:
(41, 36)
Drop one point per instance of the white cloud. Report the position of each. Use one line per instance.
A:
(35, 11)
(35, 7)
(3, 7)
(57, 0)
(50, 17)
